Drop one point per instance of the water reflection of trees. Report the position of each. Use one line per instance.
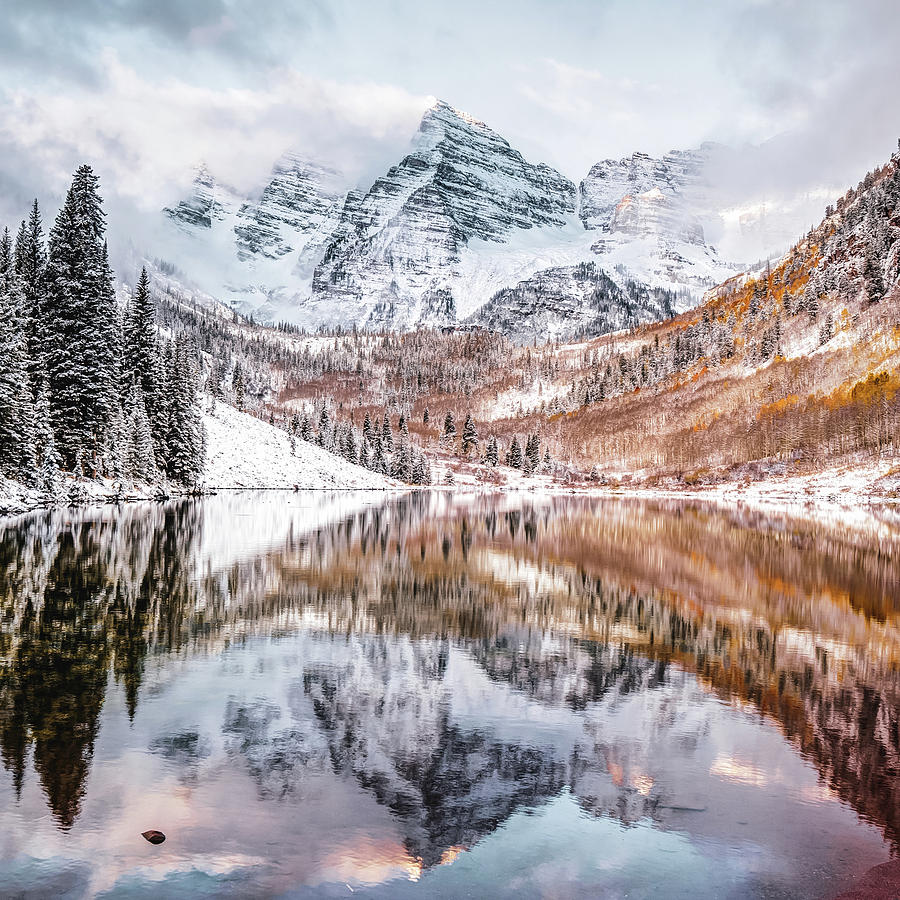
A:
(81, 596)
(568, 603)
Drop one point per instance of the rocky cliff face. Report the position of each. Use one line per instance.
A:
(208, 204)
(652, 216)
(395, 255)
(677, 176)
(292, 206)
(462, 228)
(568, 302)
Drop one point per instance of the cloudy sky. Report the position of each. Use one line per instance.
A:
(805, 90)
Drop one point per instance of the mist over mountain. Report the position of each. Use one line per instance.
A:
(461, 218)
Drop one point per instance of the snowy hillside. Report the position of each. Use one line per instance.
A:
(461, 218)
(244, 452)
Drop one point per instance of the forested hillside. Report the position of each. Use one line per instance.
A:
(791, 368)
(87, 387)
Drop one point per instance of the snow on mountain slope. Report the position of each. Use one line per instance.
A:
(567, 302)
(245, 452)
(292, 206)
(460, 218)
(254, 253)
(395, 257)
(652, 216)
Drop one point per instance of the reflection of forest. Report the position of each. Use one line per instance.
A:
(571, 604)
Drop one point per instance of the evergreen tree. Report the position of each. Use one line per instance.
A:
(387, 436)
(16, 415)
(139, 457)
(237, 385)
(80, 320)
(873, 278)
(449, 432)
(470, 436)
(367, 428)
(514, 454)
(141, 351)
(187, 438)
(533, 452)
(31, 266)
(48, 461)
(492, 455)
(378, 461)
(426, 418)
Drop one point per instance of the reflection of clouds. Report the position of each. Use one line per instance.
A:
(368, 861)
(731, 769)
(431, 699)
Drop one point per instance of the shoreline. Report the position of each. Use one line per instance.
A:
(853, 489)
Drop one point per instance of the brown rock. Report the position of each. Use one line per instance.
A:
(155, 837)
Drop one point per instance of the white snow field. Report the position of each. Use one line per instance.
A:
(245, 452)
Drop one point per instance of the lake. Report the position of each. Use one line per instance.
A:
(436, 696)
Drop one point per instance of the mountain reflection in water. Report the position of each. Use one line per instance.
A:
(470, 696)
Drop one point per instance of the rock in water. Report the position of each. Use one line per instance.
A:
(154, 836)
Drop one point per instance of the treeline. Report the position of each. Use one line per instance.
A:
(87, 387)
(373, 446)
(743, 380)
(525, 456)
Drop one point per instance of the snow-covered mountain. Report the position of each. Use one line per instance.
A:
(567, 302)
(395, 257)
(451, 233)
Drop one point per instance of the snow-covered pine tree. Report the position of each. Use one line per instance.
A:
(187, 436)
(31, 266)
(873, 278)
(514, 454)
(79, 318)
(492, 455)
(387, 435)
(48, 460)
(469, 436)
(533, 452)
(141, 350)
(449, 432)
(16, 415)
(238, 387)
(138, 453)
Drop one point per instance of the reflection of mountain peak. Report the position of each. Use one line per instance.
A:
(568, 611)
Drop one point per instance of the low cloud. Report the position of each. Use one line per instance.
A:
(144, 137)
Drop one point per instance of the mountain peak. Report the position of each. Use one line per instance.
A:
(444, 109)
(441, 120)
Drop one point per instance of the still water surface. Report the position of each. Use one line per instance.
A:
(334, 696)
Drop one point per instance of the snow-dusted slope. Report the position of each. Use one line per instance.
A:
(567, 302)
(394, 259)
(650, 216)
(291, 208)
(255, 253)
(244, 452)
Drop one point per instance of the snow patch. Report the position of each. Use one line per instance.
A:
(245, 452)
